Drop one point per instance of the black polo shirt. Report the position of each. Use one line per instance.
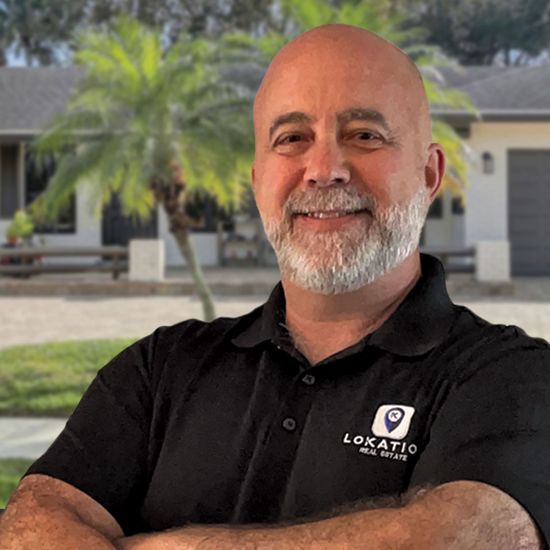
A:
(227, 422)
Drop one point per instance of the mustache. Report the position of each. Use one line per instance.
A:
(334, 198)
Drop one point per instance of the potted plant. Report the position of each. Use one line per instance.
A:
(11, 237)
(20, 229)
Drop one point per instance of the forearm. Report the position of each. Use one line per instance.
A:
(451, 517)
(360, 529)
(357, 530)
(48, 529)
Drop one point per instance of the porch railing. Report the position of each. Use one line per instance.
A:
(29, 261)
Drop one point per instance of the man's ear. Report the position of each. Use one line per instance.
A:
(434, 169)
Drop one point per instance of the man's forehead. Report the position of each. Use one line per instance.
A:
(328, 74)
(339, 103)
(325, 80)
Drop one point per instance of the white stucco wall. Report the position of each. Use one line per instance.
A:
(487, 197)
(3, 228)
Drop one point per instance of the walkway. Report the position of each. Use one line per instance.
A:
(27, 437)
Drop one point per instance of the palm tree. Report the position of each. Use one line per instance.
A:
(385, 19)
(154, 126)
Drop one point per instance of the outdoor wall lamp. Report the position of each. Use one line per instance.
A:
(488, 163)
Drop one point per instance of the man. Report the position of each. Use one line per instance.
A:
(359, 407)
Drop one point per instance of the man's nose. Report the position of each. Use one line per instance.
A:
(326, 166)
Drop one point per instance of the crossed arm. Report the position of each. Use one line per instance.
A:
(460, 515)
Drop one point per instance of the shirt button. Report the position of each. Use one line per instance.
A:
(309, 379)
(289, 424)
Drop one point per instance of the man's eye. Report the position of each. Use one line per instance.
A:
(367, 136)
(290, 138)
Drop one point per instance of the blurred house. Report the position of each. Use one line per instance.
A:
(508, 199)
(30, 98)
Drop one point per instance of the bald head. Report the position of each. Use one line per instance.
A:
(346, 55)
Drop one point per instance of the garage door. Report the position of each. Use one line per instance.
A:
(529, 211)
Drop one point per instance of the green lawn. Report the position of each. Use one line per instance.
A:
(49, 379)
(11, 470)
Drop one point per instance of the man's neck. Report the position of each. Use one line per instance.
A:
(322, 325)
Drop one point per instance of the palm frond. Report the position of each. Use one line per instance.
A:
(309, 14)
(137, 111)
(73, 168)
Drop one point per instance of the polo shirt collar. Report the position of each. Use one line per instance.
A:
(419, 324)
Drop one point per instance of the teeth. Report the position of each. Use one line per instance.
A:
(324, 215)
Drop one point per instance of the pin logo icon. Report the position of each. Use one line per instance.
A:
(393, 418)
(392, 421)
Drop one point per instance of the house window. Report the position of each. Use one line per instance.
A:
(9, 155)
(457, 206)
(37, 178)
(436, 209)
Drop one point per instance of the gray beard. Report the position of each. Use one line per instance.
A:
(334, 262)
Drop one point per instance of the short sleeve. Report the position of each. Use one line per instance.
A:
(103, 448)
(494, 427)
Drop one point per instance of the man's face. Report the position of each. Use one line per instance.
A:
(339, 174)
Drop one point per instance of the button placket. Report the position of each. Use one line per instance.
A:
(281, 445)
(289, 423)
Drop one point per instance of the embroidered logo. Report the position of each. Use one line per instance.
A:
(392, 421)
(388, 431)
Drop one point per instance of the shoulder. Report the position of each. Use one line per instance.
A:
(194, 333)
(183, 339)
(477, 347)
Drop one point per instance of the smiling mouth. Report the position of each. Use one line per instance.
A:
(329, 214)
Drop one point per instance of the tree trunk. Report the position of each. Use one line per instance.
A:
(188, 252)
(170, 196)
